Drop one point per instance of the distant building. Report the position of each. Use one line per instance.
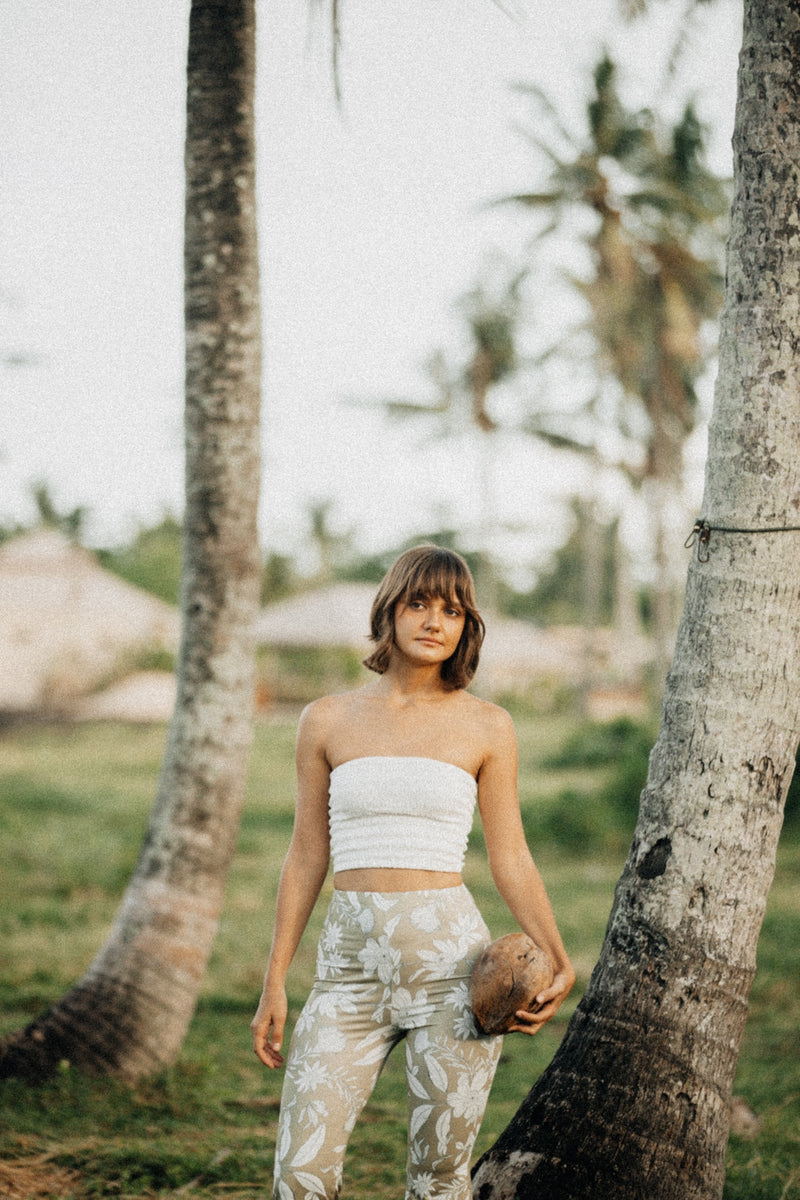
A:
(335, 615)
(67, 625)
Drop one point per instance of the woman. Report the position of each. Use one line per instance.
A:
(387, 780)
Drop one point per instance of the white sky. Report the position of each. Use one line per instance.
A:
(371, 226)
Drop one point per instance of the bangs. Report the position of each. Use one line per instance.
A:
(439, 576)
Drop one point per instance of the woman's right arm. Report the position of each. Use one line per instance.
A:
(302, 877)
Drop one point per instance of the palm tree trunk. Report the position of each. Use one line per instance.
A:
(636, 1101)
(129, 1013)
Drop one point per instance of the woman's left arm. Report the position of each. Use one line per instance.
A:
(514, 872)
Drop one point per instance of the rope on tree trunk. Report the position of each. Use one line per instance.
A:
(702, 530)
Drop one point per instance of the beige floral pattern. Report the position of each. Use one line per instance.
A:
(391, 967)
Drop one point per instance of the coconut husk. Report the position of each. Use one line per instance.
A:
(508, 977)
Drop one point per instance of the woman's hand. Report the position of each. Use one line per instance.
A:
(268, 1025)
(548, 1003)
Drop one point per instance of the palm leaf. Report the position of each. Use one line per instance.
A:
(548, 109)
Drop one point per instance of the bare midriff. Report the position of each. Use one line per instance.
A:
(394, 879)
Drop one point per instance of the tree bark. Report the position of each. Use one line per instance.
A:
(129, 1013)
(636, 1101)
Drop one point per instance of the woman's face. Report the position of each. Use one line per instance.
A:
(427, 629)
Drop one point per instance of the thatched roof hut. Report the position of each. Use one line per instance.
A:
(66, 624)
(336, 615)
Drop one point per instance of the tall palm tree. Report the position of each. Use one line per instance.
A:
(637, 1099)
(129, 1013)
(656, 216)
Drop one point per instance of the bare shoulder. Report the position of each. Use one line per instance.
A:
(491, 716)
(492, 724)
(320, 712)
(322, 719)
(320, 715)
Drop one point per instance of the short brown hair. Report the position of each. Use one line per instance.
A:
(428, 571)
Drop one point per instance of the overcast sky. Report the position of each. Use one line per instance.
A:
(372, 222)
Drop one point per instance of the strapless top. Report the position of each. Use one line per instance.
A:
(406, 812)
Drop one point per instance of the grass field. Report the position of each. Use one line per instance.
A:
(74, 805)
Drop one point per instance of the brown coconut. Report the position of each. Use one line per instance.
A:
(507, 977)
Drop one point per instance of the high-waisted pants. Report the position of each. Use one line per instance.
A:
(391, 966)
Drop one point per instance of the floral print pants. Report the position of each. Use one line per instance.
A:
(391, 966)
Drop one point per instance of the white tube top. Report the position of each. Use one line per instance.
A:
(400, 812)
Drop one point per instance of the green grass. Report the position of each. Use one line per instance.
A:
(74, 805)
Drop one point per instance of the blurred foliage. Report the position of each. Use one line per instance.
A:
(68, 521)
(604, 813)
(542, 696)
(601, 814)
(10, 529)
(152, 560)
(600, 743)
(562, 593)
(49, 515)
(278, 578)
(297, 675)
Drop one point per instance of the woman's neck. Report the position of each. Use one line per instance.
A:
(404, 681)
